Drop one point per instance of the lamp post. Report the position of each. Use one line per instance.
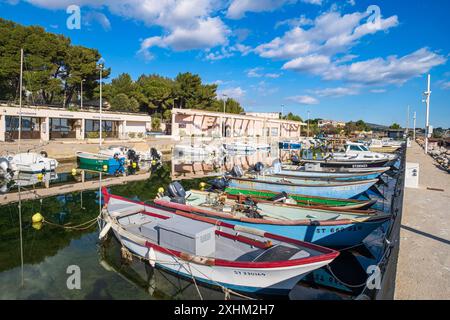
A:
(81, 93)
(282, 111)
(308, 124)
(100, 66)
(427, 118)
(224, 102)
(414, 132)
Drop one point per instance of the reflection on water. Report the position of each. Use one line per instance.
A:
(49, 251)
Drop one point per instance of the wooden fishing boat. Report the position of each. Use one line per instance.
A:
(326, 188)
(302, 172)
(210, 251)
(331, 228)
(100, 162)
(302, 200)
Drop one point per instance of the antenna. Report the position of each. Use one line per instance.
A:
(414, 132)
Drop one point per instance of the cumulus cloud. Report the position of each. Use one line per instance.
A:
(236, 93)
(303, 100)
(238, 8)
(97, 17)
(337, 92)
(258, 72)
(445, 85)
(331, 33)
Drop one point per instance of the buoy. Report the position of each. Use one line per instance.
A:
(105, 167)
(40, 176)
(153, 162)
(37, 217)
(74, 172)
(160, 190)
(202, 185)
(37, 225)
(134, 165)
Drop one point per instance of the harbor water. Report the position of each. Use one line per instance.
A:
(41, 270)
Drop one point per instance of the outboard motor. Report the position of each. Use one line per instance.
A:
(259, 167)
(156, 155)
(295, 159)
(281, 197)
(237, 171)
(218, 183)
(276, 166)
(132, 155)
(176, 192)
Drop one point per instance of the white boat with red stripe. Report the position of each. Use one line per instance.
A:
(210, 251)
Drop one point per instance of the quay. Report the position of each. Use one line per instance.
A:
(423, 269)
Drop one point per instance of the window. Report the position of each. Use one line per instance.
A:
(109, 127)
(354, 148)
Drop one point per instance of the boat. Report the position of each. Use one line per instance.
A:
(289, 145)
(131, 154)
(32, 162)
(299, 199)
(384, 145)
(306, 172)
(331, 228)
(6, 170)
(325, 188)
(239, 147)
(209, 251)
(181, 150)
(100, 162)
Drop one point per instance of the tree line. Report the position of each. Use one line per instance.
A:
(55, 72)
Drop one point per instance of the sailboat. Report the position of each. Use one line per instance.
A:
(30, 162)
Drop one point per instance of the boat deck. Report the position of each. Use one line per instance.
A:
(423, 270)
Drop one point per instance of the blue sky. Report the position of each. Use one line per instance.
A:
(332, 58)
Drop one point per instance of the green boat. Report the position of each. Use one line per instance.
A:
(99, 162)
(303, 200)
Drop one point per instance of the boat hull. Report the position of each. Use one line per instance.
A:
(113, 165)
(342, 191)
(268, 280)
(349, 164)
(334, 203)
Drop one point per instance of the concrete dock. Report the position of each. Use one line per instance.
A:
(423, 270)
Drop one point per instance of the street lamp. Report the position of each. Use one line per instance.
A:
(308, 124)
(224, 102)
(81, 93)
(282, 111)
(427, 118)
(100, 67)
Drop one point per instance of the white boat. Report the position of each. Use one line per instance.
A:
(359, 152)
(210, 251)
(195, 150)
(239, 147)
(387, 143)
(5, 169)
(131, 154)
(32, 162)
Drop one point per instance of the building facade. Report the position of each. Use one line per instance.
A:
(332, 123)
(46, 124)
(190, 122)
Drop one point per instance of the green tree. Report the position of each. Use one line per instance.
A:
(122, 102)
(395, 126)
(157, 92)
(293, 117)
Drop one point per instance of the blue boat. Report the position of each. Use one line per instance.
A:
(330, 228)
(289, 145)
(317, 188)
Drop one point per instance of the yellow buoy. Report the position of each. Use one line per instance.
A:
(153, 162)
(74, 172)
(105, 167)
(37, 217)
(134, 165)
(37, 225)
(202, 184)
(40, 176)
(160, 190)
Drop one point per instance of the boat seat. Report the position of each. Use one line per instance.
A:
(281, 252)
(147, 230)
(125, 209)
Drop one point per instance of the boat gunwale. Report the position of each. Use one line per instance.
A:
(326, 253)
(337, 184)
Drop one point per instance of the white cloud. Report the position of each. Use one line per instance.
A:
(378, 90)
(238, 8)
(337, 92)
(236, 93)
(295, 22)
(258, 73)
(330, 34)
(97, 17)
(304, 100)
(445, 85)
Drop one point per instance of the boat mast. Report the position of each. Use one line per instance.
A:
(101, 129)
(414, 132)
(20, 100)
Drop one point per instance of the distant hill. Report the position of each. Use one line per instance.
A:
(377, 127)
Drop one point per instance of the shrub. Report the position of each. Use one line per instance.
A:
(132, 135)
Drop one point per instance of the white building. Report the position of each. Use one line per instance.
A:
(47, 123)
(333, 123)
